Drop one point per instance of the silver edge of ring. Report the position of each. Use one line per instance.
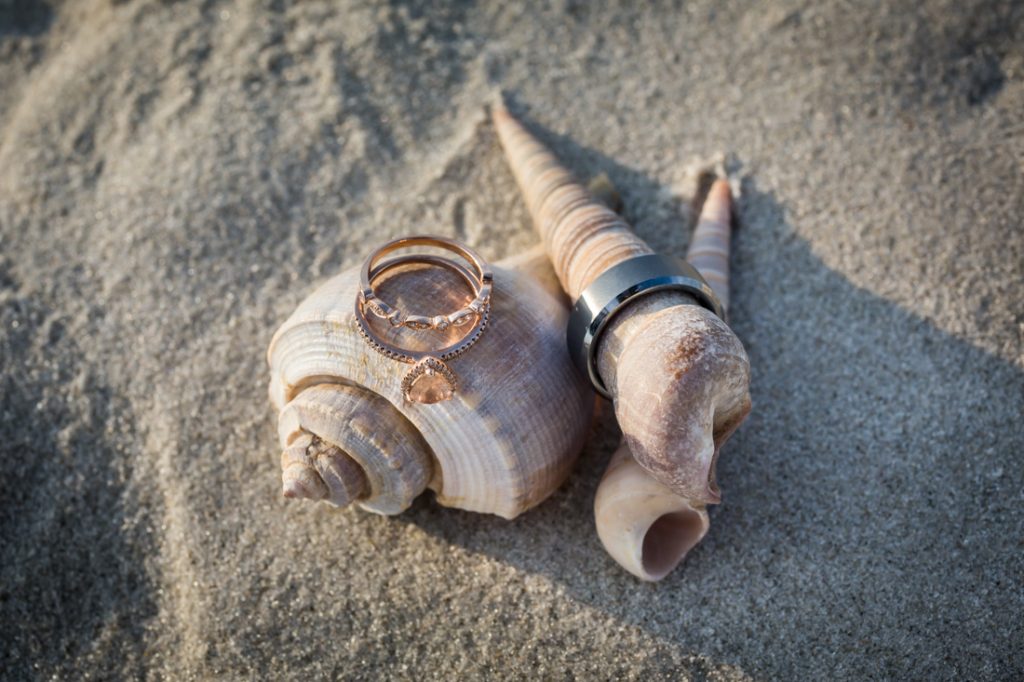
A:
(663, 273)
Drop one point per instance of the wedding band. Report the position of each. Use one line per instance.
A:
(369, 301)
(468, 277)
(617, 286)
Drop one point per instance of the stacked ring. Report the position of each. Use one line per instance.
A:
(430, 380)
(482, 286)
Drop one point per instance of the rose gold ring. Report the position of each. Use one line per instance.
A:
(369, 301)
(430, 380)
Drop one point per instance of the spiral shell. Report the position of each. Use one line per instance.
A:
(679, 378)
(583, 236)
(501, 445)
(646, 527)
(709, 245)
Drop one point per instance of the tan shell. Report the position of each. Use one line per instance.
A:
(583, 237)
(709, 245)
(680, 381)
(505, 441)
(383, 468)
(646, 527)
(678, 376)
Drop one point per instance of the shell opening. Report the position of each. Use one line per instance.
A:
(725, 419)
(669, 539)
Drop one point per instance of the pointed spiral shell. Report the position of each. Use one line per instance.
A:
(583, 237)
(709, 245)
(678, 376)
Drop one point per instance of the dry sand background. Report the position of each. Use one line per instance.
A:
(176, 177)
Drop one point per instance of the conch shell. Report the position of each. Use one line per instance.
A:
(678, 376)
(502, 444)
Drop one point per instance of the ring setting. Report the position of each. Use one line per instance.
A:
(429, 381)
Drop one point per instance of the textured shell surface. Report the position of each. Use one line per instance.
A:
(511, 432)
(697, 367)
(678, 376)
(644, 525)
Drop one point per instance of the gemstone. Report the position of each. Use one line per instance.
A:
(430, 381)
(431, 387)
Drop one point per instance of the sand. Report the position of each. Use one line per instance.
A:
(176, 177)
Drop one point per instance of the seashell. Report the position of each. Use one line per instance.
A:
(680, 382)
(583, 237)
(678, 376)
(346, 422)
(646, 527)
(501, 444)
(709, 245)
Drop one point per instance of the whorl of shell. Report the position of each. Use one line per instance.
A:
(680, 381)
(709, 245)
(501, 445)
(583, 237)
(642, 524)
(678, 376)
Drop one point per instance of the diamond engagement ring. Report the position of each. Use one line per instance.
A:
(430, 380)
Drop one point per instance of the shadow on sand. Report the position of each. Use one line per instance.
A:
(862, 498)
(24, 17)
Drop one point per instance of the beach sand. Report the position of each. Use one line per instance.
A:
(176, 177)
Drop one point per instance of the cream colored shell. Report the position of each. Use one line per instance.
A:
(505, 441)
(646, 527)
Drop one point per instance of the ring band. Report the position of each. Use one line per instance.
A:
(369, 301)
(410, 357)
(430, 380)
(617, 286)
(467, 276)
